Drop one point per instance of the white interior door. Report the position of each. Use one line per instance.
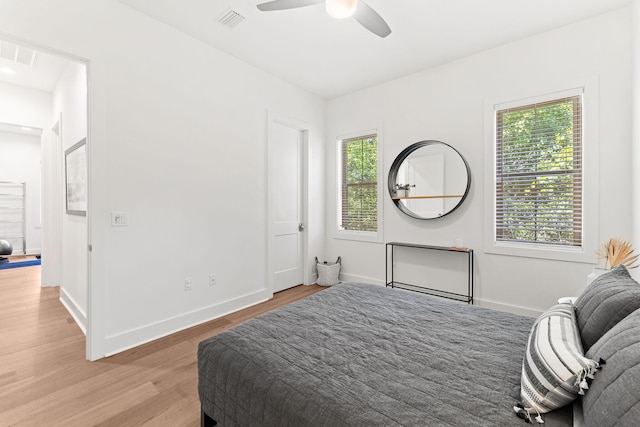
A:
(285, 158)
(427, 174)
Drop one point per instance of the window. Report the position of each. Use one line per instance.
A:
(359, 190)
(539, 174)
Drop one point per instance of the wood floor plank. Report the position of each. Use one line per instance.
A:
(45, 379)
(174, 416)
(118, 403)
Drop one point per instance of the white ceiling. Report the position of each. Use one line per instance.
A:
(43, 75)
(332, 57)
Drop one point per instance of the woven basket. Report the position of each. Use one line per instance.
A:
(328, 272)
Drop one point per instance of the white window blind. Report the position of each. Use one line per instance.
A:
(359, 186)
(539, 173)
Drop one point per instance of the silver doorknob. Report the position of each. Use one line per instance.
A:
(300, 227)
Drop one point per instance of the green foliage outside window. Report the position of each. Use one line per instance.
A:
(359, 184)
(539, 173)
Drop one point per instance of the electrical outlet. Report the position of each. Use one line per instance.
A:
(187, 284)
(212, 280)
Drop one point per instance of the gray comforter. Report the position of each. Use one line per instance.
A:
(365, 355)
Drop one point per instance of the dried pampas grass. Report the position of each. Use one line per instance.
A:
(617, 252)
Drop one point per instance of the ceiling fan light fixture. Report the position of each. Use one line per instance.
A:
(341, 9)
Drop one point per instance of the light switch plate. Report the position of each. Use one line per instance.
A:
(119, 219)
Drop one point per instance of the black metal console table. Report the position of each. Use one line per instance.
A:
(468, 298)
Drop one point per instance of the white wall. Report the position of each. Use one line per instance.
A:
(447, 103)
(636, 130)
(177, 138)
(70, 102)
(24, 107)
(20, 162)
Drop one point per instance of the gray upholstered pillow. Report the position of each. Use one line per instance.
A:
(606, 301)
(613, 397)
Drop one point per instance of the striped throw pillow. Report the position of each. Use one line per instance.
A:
(554, 369)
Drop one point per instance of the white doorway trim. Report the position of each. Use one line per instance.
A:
(279, 119)
(52, 259)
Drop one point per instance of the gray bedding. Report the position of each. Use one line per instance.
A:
(365, 355)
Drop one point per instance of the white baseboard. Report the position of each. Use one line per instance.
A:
(515, 309)
(74, 310)
(126, 340)
(361, 279)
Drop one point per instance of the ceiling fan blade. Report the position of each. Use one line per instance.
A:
(286, 4)
(371, 20)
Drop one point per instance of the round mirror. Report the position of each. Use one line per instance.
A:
(429, 179)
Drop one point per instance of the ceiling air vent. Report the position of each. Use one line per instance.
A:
(230, 18)
(17, 53)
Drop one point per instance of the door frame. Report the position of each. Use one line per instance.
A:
(52, 269)
(274, 118)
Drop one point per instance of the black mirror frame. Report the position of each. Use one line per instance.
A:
(393, 176)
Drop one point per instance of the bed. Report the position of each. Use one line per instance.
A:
(365, 355)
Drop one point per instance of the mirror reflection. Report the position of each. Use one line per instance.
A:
(429, 179)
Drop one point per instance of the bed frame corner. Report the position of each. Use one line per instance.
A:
(206, 420)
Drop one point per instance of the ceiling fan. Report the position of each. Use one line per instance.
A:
(339, 9)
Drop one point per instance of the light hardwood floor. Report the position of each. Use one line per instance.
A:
(46, 381)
